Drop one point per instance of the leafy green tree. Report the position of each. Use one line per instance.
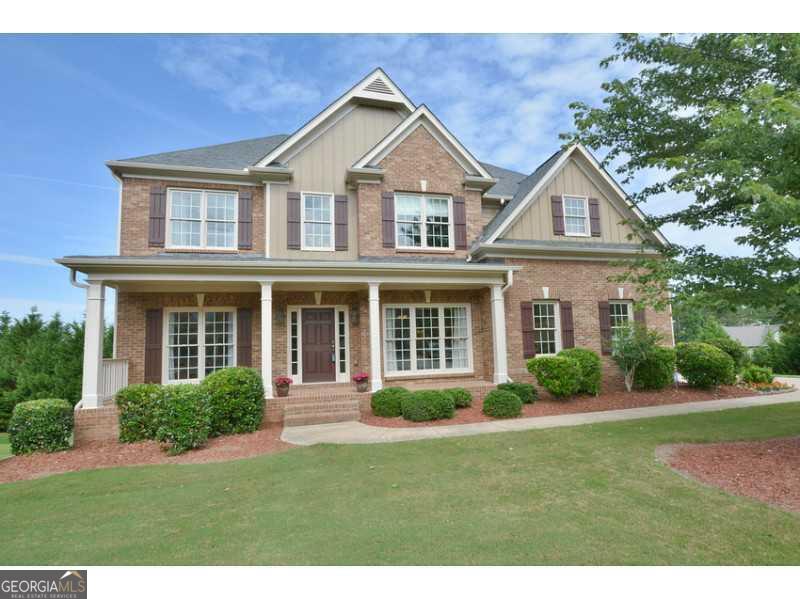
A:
(631, 347)
(719, 116)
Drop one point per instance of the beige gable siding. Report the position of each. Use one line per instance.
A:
(537, 221)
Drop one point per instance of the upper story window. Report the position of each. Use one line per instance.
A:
(424, 221)
(201, 219)
(317, 221)
(576, 216)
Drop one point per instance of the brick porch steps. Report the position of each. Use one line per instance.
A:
(304, 411)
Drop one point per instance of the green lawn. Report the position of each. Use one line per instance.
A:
(5, 447)
(583, 495)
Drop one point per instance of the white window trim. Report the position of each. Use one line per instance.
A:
(414, 372)
(629, 304)
(201, 347)
(423, 228)
(303, 247)
(557, 315)
(203, 220)
(341, 377)
(587, 223)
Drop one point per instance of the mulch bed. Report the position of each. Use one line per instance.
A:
(547, 406)
(768, 471)
(110, 454)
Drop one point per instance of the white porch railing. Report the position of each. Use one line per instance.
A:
(114, 377)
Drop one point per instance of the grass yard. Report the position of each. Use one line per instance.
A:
(5, 446)
(584, 495)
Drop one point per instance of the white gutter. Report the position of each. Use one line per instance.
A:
(119, 212)
(74, 281)
(509, 280)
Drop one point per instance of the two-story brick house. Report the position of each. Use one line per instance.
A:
(373, 240)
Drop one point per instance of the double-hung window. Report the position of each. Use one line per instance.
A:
(546, 328)
(317, 221)
(423, 221)
(576, 216)
(198, 342)
(427, 338)
(620, 316)
(201, 219)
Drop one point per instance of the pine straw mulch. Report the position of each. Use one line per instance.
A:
(548, 406)
(768, 471)
(110, 454)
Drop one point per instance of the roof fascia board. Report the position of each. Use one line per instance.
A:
(123, 165)
(353, 92)
(533, 250)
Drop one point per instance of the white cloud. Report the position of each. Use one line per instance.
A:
(27, 260)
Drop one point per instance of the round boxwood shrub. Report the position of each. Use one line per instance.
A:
(427, 405)
(184, 420)
(732, 347)
(137, 406)
(461, 397)
(502, 404)
(386, 402)
(559, 375)
(757, 374)
(525, 391)
(41, 424)
(657, 371)
(236, 400)
(704, 365)
(591, 368)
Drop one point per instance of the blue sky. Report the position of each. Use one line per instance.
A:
(72, 102)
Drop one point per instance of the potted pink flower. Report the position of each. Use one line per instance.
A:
(282, 385)
(361, 380)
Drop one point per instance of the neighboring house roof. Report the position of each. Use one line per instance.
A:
(753, 335)
(233, 155)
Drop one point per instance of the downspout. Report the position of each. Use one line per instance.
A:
(118, 179)
(509, 280)
(76, 283)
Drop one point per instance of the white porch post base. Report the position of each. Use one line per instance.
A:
(91, 394)
(499, 336)
(375, 337)
(266, 338)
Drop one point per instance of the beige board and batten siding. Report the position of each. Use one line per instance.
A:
(537, 222)
(322, 167)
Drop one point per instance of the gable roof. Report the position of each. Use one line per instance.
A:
(507, 181)
(528, 189)
(423, 117)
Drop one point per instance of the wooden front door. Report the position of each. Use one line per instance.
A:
(319, 349)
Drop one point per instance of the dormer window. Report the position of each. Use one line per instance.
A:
(576, 216)
(424, 222)
(201, 219)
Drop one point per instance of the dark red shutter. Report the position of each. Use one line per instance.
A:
(153, 340)
(293, 220)
(340, 218)
(605, 327)
(158, 216)
(387, 218)
(460, 222)
(244, 337)
(557, 205)
(594, 216)
(245, 220)
(639, 317)
(567, 326)
(528, 345)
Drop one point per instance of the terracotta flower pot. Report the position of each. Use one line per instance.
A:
(361, 386)
(283, 390)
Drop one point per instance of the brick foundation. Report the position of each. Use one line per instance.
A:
(100, 424)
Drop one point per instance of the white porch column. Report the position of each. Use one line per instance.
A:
(499, 335)
(266, 337)
(91, 394)
(375, 337)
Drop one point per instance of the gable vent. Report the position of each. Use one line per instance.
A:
(378, 86)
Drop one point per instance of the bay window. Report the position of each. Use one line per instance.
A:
(427, 338)
(423, 221)
(198, 341)
(201, 219)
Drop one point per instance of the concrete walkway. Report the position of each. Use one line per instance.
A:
(360, 433)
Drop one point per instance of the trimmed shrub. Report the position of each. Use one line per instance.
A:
(525, 391)
(41, 424)
(757, 374)
(236, 400)
(657, 371)
(427, 405)
(560, 376)
(184, 420)
(386, 402)
(591, 368)
(732, 347)
(502, 404)
(461, 397)
(138, 407)
(704, 365)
